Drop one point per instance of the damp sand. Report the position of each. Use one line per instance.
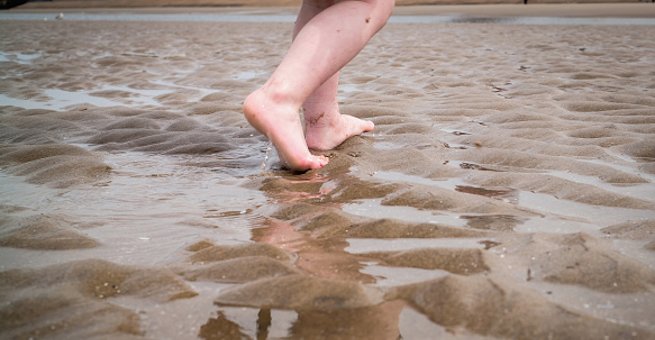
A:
(507, 191)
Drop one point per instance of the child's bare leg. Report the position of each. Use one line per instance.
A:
(321, 48)
(325, 127)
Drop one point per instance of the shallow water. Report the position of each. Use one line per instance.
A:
(175, 205)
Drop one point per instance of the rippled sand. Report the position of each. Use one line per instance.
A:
(508, 190)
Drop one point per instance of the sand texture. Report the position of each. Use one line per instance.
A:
(508, 190)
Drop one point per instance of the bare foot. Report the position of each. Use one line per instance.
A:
(326, 133)
(281, 124)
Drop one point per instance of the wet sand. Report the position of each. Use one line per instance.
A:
(507, 192)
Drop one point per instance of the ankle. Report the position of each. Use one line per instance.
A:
(323, 120)
(262, 101)
(321, 115)
(280, 94)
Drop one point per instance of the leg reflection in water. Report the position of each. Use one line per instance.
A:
(374, 322)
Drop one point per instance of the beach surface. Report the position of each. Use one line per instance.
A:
(508, 190)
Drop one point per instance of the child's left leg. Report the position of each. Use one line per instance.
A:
(325, 127)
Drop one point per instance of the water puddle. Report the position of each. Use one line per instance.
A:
(636, 249)
(619, 155)
(580, 211)
(395, 276)
(636, 307)
(556, 225)
(645, 191)
(374, 209)
(175, 86)
(392, 176)
(61, 99)
(452, 184)
(624, 168)
(414, 325)
(564, 216)
(23, 103)
(456, 132)
(384, 145)
(374, 245)
(20, 58)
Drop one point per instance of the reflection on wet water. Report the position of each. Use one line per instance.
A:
(237, 323)
(375, 322)
(251, 323)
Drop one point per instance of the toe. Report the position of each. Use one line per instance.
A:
(320, 161)
(368, 126)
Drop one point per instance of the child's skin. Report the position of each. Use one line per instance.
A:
(328, 34)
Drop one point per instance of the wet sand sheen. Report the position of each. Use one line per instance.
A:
(508, 190)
